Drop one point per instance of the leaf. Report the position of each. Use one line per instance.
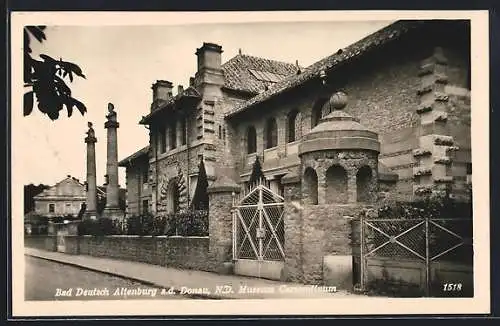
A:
(80, 106)
(37, 32)
(28, 103)
(47, 58)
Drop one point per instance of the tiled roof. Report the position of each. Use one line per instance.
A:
(248, 73)
(139, 153)
(159, 105)
(380, 37)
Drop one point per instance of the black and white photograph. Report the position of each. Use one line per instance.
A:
(274, 162)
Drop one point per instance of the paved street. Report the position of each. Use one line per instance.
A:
(43, 279)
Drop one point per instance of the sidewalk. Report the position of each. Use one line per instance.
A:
(165, 277)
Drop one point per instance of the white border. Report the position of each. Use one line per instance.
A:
(355, 306)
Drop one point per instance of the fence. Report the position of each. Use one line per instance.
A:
(417, 255)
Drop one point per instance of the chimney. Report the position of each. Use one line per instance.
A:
(162, 90)
(209, 77)
(180, 89)
(209, 56)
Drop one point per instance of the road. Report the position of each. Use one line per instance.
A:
(47, 280)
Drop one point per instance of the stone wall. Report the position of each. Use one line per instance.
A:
(44, 242)
(174, 251)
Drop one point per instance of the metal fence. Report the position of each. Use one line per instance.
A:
(423, 240)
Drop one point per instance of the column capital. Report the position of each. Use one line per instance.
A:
(111, 124)
(90, 139)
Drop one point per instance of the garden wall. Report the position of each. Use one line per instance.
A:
(44, 242)
(171, 251)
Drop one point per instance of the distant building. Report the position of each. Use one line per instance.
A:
(66, 198)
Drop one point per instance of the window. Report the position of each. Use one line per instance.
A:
(271, 134)
(183, 132)
(145, 206)
(220, 132)
(173, 135)
(163, 139)
(317, 112)
(336, 184)
(145, 176)
(363, 185)
(310, 186)
(469, 168)
(294, 126)
(251, 140)
(52, 208)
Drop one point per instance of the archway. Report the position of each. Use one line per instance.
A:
(310, 186)
(336, 184)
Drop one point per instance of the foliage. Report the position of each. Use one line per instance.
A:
(257, 173)
(186, 223)
(46, 79)
(39, 224)
(426, 208)
(98, 227)
(145, 224)
(30, 191)
(200, 197)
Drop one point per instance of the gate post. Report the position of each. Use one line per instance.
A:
(220, 220)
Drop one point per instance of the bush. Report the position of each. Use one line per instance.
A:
(187, 223)
(99, 227)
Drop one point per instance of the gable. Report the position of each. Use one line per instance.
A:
(69, 187)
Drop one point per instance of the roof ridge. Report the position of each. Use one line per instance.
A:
(377, 38)
(259, 58)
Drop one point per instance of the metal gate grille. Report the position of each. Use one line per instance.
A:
(427, 240)
(258, 228)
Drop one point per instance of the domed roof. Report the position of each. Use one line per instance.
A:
(337, 131)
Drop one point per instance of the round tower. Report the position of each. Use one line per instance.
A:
(339, 158)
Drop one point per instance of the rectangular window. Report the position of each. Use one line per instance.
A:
(52, 208)
(183, 132)
(145, 176)
(469, 168)
(163, 140)
(173, 135)
(145, 206)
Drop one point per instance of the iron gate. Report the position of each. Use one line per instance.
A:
(423, 240)
(258, 226)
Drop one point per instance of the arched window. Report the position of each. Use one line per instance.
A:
(310, 187)
(251, 140)
(293, 126)
(317, 112)
(271, 134)
(336, 184)
(173, 196)
(363, 186)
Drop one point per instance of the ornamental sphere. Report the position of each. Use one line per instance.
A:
(338, 100)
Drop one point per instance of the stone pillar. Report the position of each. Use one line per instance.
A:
(112, 209)
(91, 201)
(434, 154)
(294, 236)
(220, 222)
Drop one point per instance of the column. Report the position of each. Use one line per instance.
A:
(91, 200)
(112, 209)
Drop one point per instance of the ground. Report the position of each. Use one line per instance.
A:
(44, 277)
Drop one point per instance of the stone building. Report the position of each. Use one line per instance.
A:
(64, 198)
(388, 115)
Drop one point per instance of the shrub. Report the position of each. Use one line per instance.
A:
(99, 227)
(187, 223)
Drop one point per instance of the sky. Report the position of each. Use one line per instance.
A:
(122, 62)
